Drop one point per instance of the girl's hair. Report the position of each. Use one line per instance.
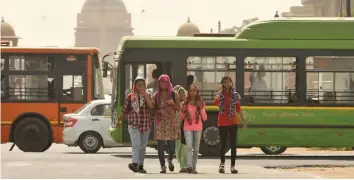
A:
(166, 78)
(226, 78)
(178, 89)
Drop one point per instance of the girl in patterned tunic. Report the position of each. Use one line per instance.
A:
(228, 101)
(166, 124)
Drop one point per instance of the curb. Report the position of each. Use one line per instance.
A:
(269, 157)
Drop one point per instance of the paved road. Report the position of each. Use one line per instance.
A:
(64, 162)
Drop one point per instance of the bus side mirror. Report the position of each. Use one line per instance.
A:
(105, 69)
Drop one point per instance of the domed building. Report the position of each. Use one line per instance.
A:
(102, 23)
(188, 29)
(8, 33)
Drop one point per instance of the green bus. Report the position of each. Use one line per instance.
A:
(295, 77)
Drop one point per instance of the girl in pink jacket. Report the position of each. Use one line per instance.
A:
(193, 113)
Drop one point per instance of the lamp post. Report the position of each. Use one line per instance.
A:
(348, 9)
(102, 26)
(276, 14)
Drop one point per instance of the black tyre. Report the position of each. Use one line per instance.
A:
(273, 150)
(90, 142)
(210, 142)
(32, 135)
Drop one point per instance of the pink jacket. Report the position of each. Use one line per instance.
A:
(192, 114)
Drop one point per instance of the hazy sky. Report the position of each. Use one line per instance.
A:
(52, 22)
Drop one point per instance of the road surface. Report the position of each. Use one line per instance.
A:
(64, 162)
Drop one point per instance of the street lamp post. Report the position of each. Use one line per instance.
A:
(348, 9)
(102, 26)
(276, 14)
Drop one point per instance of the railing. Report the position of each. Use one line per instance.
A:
(333, 97)
(288, 96)
(254, 96)
(31, 93)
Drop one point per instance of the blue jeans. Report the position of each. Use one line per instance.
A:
(161, 150)
(192, 142)
(139, 142)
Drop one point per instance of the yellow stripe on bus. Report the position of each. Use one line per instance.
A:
(216, 108)
(10, 122)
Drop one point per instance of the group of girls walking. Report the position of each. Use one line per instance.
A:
(178, 114)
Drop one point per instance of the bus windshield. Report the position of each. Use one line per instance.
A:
(98, 81)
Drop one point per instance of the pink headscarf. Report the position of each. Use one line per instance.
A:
(166, 78)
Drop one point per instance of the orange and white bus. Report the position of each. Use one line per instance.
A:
(39, 86)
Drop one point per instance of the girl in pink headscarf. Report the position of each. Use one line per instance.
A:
(166, 125)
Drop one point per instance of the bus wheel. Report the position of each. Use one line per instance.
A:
(210, 142)
(32, 135)
(273, 150)
(90, 142)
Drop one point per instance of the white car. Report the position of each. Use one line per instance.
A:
(88, 127)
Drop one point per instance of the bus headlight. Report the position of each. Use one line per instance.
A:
(114, 118)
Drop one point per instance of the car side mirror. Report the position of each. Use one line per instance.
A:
(105, 69)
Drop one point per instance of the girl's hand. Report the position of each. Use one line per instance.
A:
(170, 102)
(220, 88)
(244, 126)
(200, 104)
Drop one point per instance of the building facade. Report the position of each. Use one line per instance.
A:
(319, 8)
(102, 23)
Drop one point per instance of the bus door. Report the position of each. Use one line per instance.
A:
(133, 70)
(73, 92)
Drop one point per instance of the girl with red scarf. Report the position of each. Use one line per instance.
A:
(228, 101)
(192, 113)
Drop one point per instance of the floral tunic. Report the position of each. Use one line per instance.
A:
(166, 123)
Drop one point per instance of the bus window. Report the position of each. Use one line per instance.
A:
(140, 70)
(2, 78)
(31, 87)
(330, 79)
(208, 72)
(31, 63)
(270, 79)
(2, 64)
(152, 77)
(97, 81)
(72, 88)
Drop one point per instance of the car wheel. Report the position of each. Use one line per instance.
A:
(273, 150)
(90, 142)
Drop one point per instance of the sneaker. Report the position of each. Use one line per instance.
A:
(141, 169)
(194, 171)
(171, 167)
(233, 170)
(133, 167)
(189, 170)
(163, 169)
(222, 168)
(184, 170)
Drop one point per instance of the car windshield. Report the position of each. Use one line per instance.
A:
(81, 108)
